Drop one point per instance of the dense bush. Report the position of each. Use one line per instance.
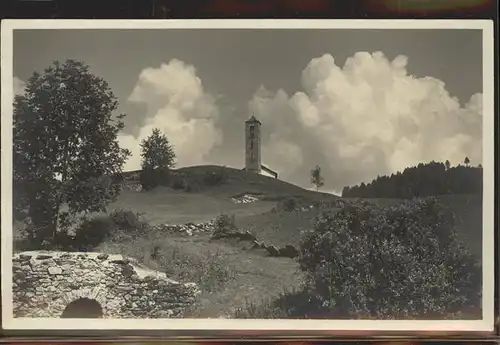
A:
(403, 261)
(289, 204)
(152, 178)
(92, 232)
(127, 220)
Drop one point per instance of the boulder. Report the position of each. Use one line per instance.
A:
(102, 256)
(257, 245)
(54, 270)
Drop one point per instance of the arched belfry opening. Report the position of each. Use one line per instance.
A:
(83, 308)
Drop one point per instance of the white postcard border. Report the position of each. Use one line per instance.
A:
(10, 323)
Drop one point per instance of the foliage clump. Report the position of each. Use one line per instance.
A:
(224, 224)
(92, 231)
(290, 204)
(403, 261)
(317, 178)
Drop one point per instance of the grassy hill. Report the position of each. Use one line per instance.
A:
(203, 202)
(240, 181)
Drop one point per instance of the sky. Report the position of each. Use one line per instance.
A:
(358, 103)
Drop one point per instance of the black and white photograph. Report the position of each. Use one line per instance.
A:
(247, 174)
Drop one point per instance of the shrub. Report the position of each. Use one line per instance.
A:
(127, 220)
(212, 273)
(152, 178)
(290, 204)
(216, 178)
(402, 261)
(224, 224)
(93, 231)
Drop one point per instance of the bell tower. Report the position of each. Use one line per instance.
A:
(253, 159)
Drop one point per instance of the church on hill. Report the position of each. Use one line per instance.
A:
(253, 155)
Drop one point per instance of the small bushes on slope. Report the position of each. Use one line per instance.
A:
(216, 178)
(224, 224)
(127, 220)
(93, 231)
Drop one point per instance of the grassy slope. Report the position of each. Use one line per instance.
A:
(164, 205)
(253, 273)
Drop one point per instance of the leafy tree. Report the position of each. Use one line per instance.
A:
(157, 153)
(316, 177)
(447, 164)
(65, 147)
(158, 157)
(466, 161)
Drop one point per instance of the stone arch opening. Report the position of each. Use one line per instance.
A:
(83, 308)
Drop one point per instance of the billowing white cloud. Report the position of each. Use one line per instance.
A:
(178, 105)
(366, 118)
(19, 86)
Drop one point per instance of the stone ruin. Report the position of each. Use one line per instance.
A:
(94, 285)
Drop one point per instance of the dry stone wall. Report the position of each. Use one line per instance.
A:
(44, 283)
(188, 229)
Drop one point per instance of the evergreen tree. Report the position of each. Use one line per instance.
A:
(420, 181)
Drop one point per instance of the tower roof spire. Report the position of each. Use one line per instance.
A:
(253, 119)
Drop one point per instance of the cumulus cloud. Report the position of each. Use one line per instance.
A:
(171, 98)
(366, 118)
(19, 86)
